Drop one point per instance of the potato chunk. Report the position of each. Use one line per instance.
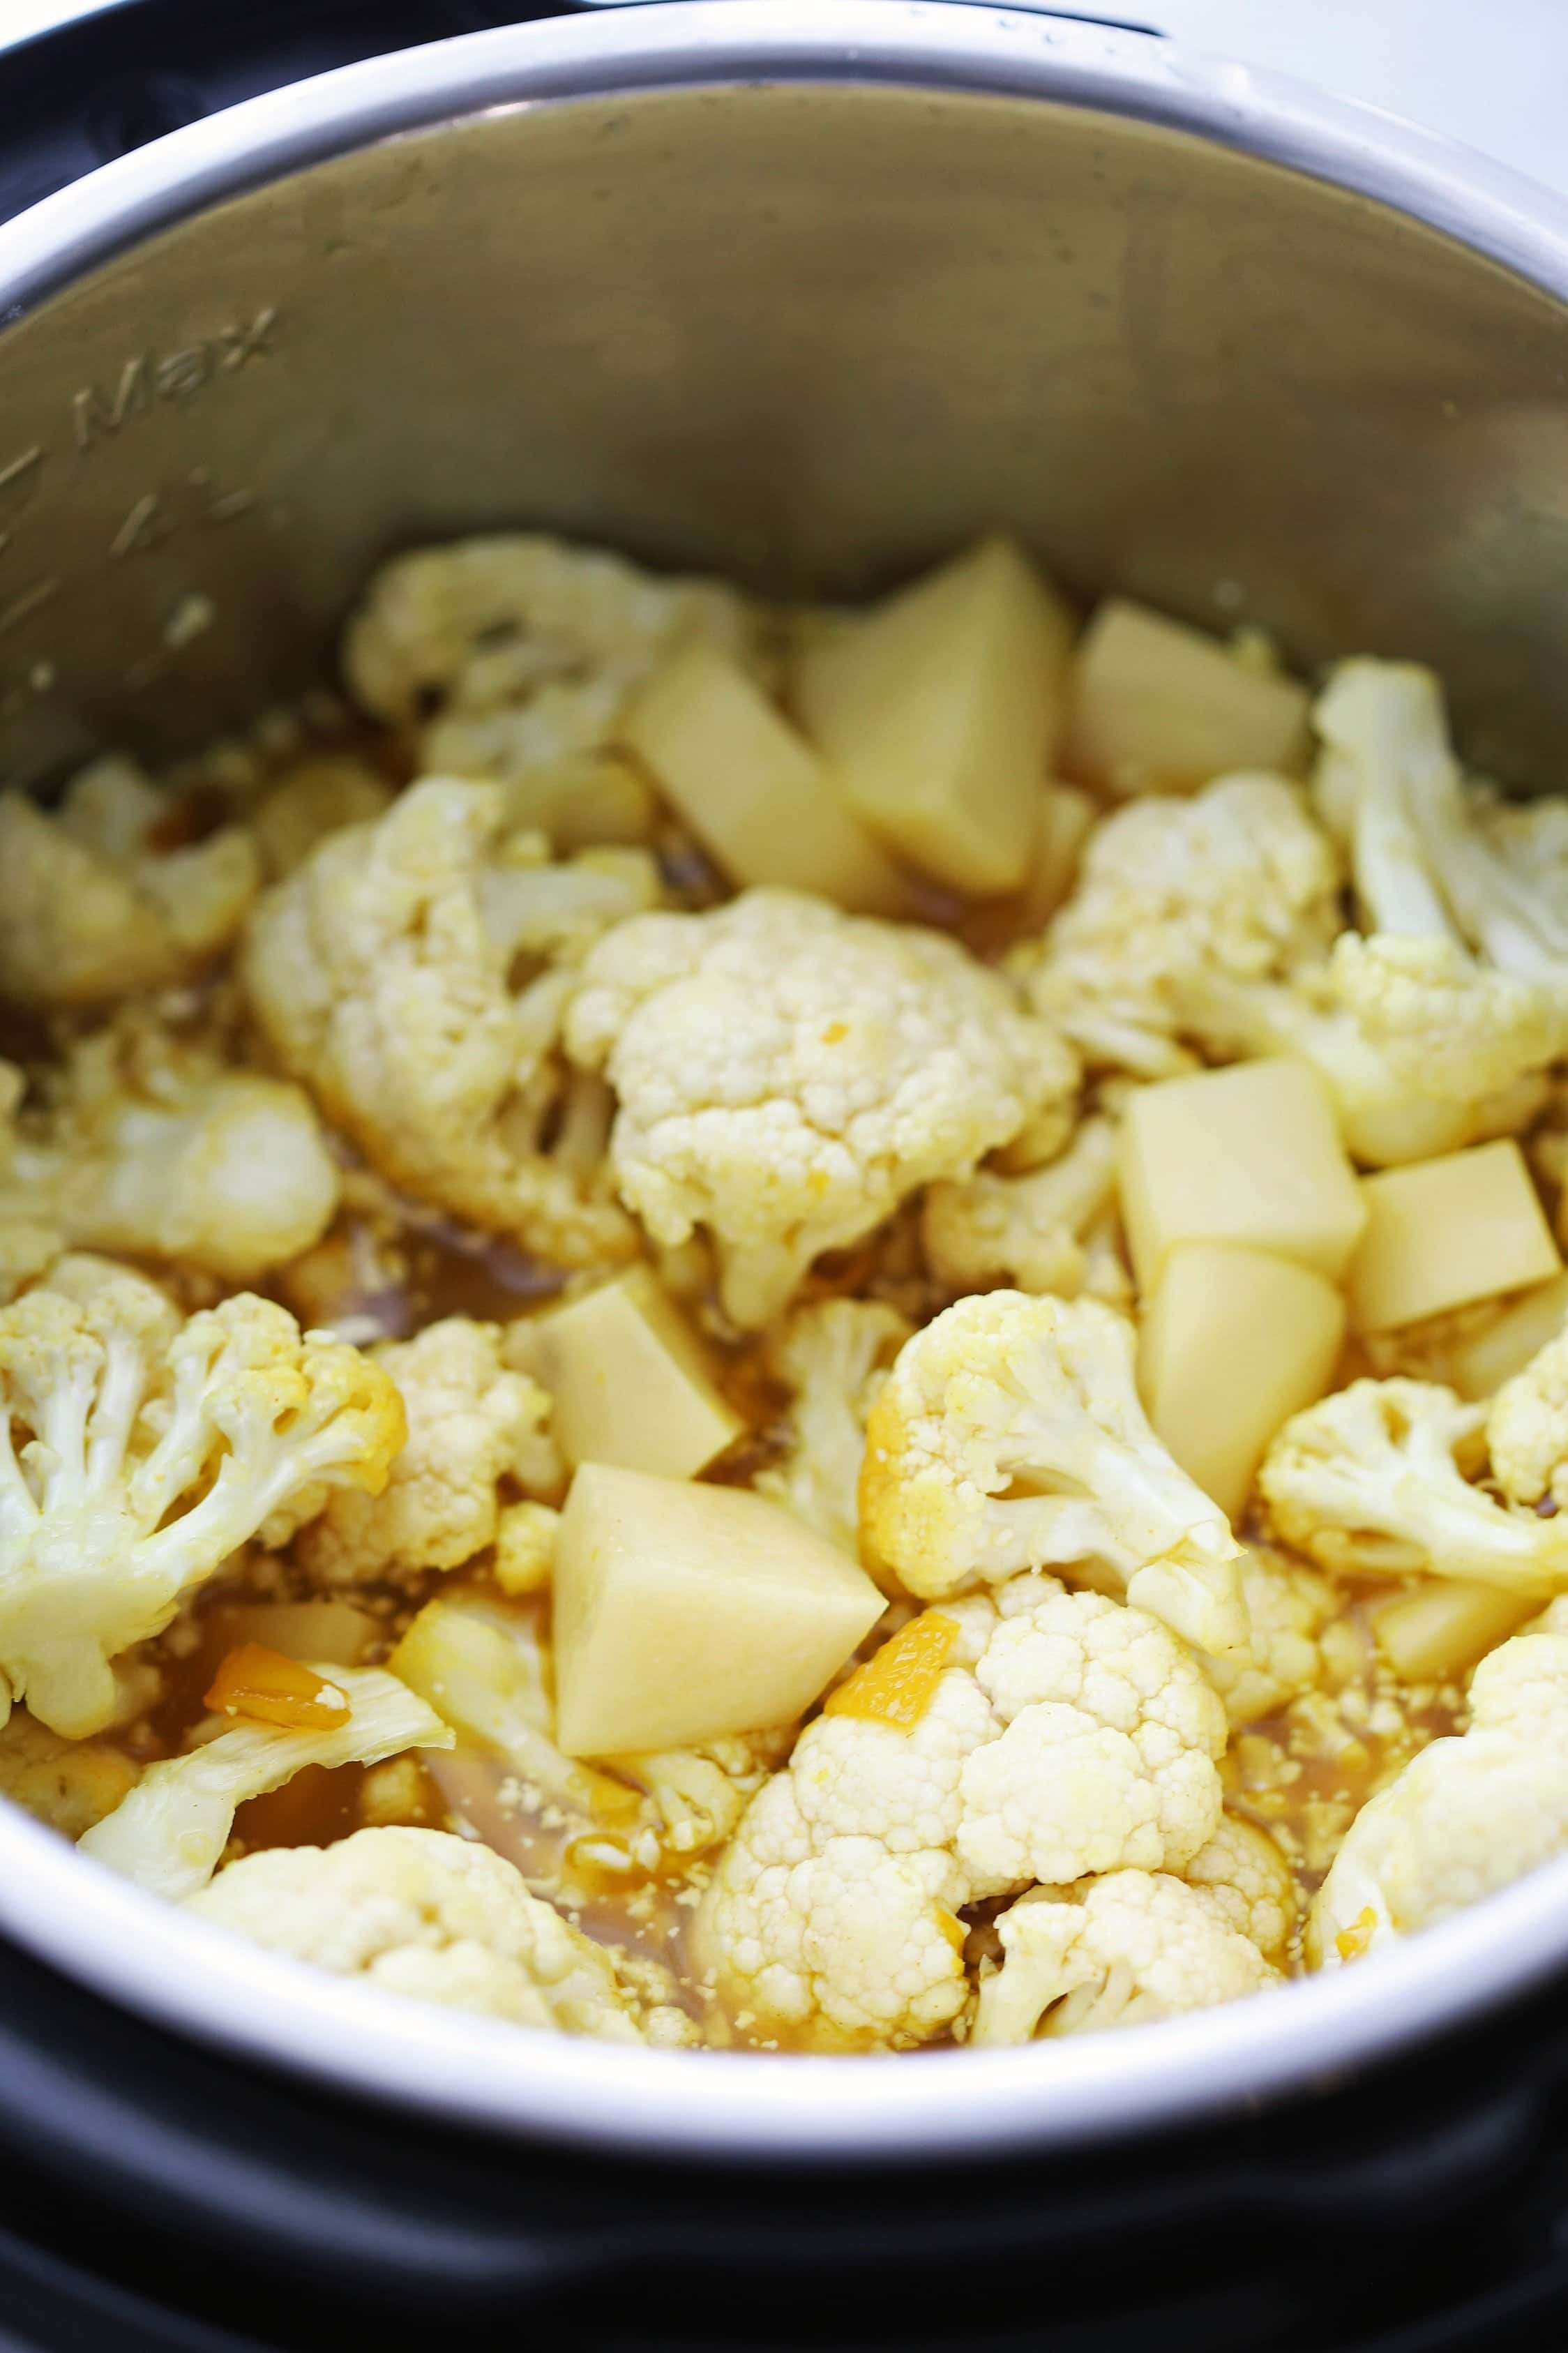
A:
(940, 710)
(1478, 1366)
(1445, 1232)
(1235, 1341)
(752, 789)
(630, 1380)
(684, 1611)
(1154, 707)
(1442, 1627)
(1248, 1156)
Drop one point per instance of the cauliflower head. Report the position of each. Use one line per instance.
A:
(832, 1357)
(1464, 1817)
(1287, 1607)
(1240, 881)
(1009, 1435)
(786, 1074)
(67, 1784)
(1028, 1231)
(155, 1148)
(471, 1426)
(1372, 1480)
(92, 907)
(513, 655)
(169, 1833)
(991, 1743)
(137, 1453)
(380, 971)
(428, 1915)
(1527, 1431)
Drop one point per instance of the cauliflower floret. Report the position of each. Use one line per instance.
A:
(377, 977)
(1287, 1607)
(1464, 1817)
(700, 1794)
(136, 1453)
(833, 1356)
(316, 798)
(155, 1148)
(91, 907)
(515, 653)
(525, 1546)
(170, 1832)
(1009, 1435)
(1238, 880)
(1372, 1480)
(987, 1741)
(471, 1425)
(1119, 1951)
(786, 1074)
(68, 1784)
(1527, 1431)
(1244, 1878)
(1030, 1231)
(428, 1915)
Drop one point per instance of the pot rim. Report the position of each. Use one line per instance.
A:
(190, 1977)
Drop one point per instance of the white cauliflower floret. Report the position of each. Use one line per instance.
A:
(1009, 1435)
(157, 1149)
(91, 906)
(700, 1794)
(1372, 1479)
(471, 1426)
(1123, 1950)
(1245, 1879)
(169, 1834)
(1030, 1231)
(137, 1454)
(833, 1356)
(428, 1915)
(515, 653)
(786, 1074)
(1527, 1431)
(68, 1784)
(1287, 1607)
(1464, 1817)
(376, 975)
(1238, 881)
(986, 1742)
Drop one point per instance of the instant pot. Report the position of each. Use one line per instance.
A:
(807, 294)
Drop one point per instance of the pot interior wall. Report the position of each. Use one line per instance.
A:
(810, 333)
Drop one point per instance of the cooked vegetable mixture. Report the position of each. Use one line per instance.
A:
(797, 1329)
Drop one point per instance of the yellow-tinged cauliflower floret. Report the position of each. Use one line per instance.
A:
(90, 907)
(833, 1356)
(136, 1453)
(68, 1784)
(428, 1915)
(471, 1425)
(1009, 1435)
(786, 1074)
(1527, 1431)
(170, 1832)
(1038, 1734)
(380, 972)
(1287, 1607)
(1030, 1231)
(514, 653)
(1464, 1817)
(155, 1148)
(1372, 1480)
(1123, 1950)
(1240, 881)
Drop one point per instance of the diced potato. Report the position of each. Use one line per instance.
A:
(1063, 817)
(752, 789)
(1235, 1341)
(582, 802)
(1248, 1156)
(1442, 1629)
(334, 1632)
(940, 710)
(1445, 1232)
(685, 1611)
(630, 1380)
(1480, 1365)
(1154, 707)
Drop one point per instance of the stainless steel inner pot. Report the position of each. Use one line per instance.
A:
(808, 293)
